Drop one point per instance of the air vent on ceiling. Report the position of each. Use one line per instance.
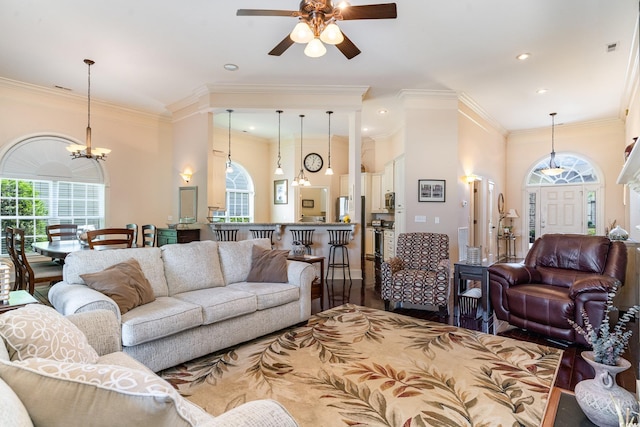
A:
(611, 47)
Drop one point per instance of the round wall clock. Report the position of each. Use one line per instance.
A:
(313, 162)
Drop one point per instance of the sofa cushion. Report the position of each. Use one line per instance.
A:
(221, 303)
(235, 258)
(150, 260)
(192, 266)
(268, 265)
(269, 294)
(163, 317)
(12, 411)
(39, 331)
(124, 283)
(74, 394)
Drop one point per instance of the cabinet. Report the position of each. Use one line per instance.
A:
(389, 245)
(368, 241)
(217, 182)
(167, 236)
(377, 193)
(400, 212)
(628, 295)
(388, 178)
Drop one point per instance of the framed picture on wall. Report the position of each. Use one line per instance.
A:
(431, 190)
(280, 195)
(307, 203)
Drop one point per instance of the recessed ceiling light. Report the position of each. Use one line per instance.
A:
(231, 67)
(382, 111)
(541, 91)
(365, 129)
(252, 128)
(523, 56)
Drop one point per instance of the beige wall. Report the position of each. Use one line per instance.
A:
(139, 187)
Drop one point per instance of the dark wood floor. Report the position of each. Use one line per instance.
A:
(573, 368)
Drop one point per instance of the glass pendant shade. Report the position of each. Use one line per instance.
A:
(301, 33)
(279, 170)
(332, 34)
(315, 49)
(553, 168)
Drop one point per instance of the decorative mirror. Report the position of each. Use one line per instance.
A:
(501, 204)
(188, 204)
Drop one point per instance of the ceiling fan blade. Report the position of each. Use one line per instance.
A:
(282, 46)
(347, 47)
(370, 11)
(266, 12)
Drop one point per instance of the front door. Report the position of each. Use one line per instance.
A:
(561, 209)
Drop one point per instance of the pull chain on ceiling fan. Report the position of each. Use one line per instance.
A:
(318, 24)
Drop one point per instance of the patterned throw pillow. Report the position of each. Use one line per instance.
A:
(73, 394)
(39, 331)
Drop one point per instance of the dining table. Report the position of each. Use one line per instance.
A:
(58, 249)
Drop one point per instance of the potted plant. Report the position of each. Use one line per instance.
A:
(598, 397)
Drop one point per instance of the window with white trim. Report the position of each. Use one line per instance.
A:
(40, 184)
(240, 196)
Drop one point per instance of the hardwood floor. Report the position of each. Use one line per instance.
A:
(573, 368)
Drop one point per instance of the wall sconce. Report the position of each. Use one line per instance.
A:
(472, 178)
(186, 175)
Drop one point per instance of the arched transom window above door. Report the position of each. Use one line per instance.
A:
(576, 171)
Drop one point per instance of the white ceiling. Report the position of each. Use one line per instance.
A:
(152, 53)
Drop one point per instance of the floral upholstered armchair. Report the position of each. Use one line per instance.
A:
(420, 271)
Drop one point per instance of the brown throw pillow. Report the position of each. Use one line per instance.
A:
(125, 283)
(268, 265)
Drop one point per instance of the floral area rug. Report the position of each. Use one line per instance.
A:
(357, 366)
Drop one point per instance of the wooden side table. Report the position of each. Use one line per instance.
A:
(564, 411)
(317, 287)
(17, 299)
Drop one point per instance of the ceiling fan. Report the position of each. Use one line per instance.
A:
(317, 24)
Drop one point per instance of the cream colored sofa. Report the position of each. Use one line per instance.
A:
(202, 301)
(47, 385)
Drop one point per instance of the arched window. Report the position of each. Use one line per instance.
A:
(41, 184)
(576, 171)
(240, 192)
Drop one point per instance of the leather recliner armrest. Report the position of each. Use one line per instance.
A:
(595, 283)
(512, 274)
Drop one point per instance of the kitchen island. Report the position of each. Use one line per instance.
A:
(282, 238)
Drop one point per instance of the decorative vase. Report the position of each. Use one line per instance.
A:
(597, 397)
(618, 233)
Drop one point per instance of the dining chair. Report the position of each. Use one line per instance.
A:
(28, 274)
(133, 227)
(227, 235)
(149, 238)
(110, 238)
(62, 232)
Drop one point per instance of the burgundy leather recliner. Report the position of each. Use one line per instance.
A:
(561, 274)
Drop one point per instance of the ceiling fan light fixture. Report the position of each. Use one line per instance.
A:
(332, 34)
(315, 49)
(302, 33)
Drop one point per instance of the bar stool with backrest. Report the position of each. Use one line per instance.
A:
(29, 274)
(62, 232)
(227, 235)
(133, 227)
(149, 238)
(263, 234)
(110, 238)
(338, 241)
(303, 236)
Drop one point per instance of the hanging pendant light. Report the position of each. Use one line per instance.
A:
(279, 170)
(228, 164)
(329, 171)
(301, 179)
(553, 168)
(87, 151)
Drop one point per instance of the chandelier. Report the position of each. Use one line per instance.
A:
(553, 168)
(87, 151)
(316, 28)
(301, 179)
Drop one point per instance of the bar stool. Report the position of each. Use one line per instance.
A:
(304, 236)
(227, 235)
(338, 241)
(263, 234)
